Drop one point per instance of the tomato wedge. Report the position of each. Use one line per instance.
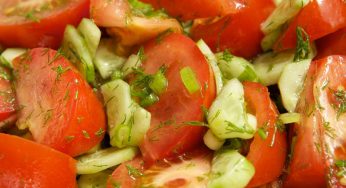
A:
(267, 155)
(192, 9)
(24, 163)
(128, 28)
(57, 104)
(318, 19)
(170, 133)
(189, 170)
(239, 32)
(127, 174)
(332, 44)
(38, 23)
(7, 97)
(320, 136)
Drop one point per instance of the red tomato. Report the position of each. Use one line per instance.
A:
(7, 99)
(333, 44)
(24, 163)
(239, 32)
(192, 9)
(169, 134)
(128, 28)
(320, 136)
(188, 170)
(318, 18)
(39, 23)
(267, 155)
(58, 105)
(127, 174)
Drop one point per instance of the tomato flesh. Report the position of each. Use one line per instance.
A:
(192, 9)
(38, 24)
(271, 150)
(239, 32)
(169, 135)
(187, 170)
(58, 106)
(24, 163)
(320, 136)
(318, 19)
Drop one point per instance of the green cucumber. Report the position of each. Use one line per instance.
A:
(227, 115)
(75, 49)
(97, 180)
(91, 34)
(211, 58)
(236, 67)
(283, 13)
(269, 40)
(132, 63)
(127, 121)
(230, 169)
(106, 61)
(8, 55)
(103, 159)
(269, 66)
(291, 83)
(211, 141)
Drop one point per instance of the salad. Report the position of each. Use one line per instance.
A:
(172, 93)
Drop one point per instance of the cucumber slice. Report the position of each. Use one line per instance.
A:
(269, 66)
(213, 63)
(106, 61)
(236, 67)
(75, 49)
(127, 121)
(132, 62)
(91, 34)
(211, 141)
(227, 115)
(9, 55)
(269, 40)
(230, 169)
(284, 12)
(291, 83)
(103, 159)
(97, 180)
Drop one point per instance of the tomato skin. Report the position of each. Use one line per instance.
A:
(176, 105)
(62, 110)
(319, 145)
(24, 163)
(318, 18)
(8, 103)
(48, 32)
(333, 44)
(115, 16)
(240, 32)
(192, 9)
(271, 150)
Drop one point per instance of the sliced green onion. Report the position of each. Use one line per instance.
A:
(288, 118)
(190, 80)
(103, 159)
(158, 83)
(211, 141)
(149, 100)
(262, 133)
(117, 74)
